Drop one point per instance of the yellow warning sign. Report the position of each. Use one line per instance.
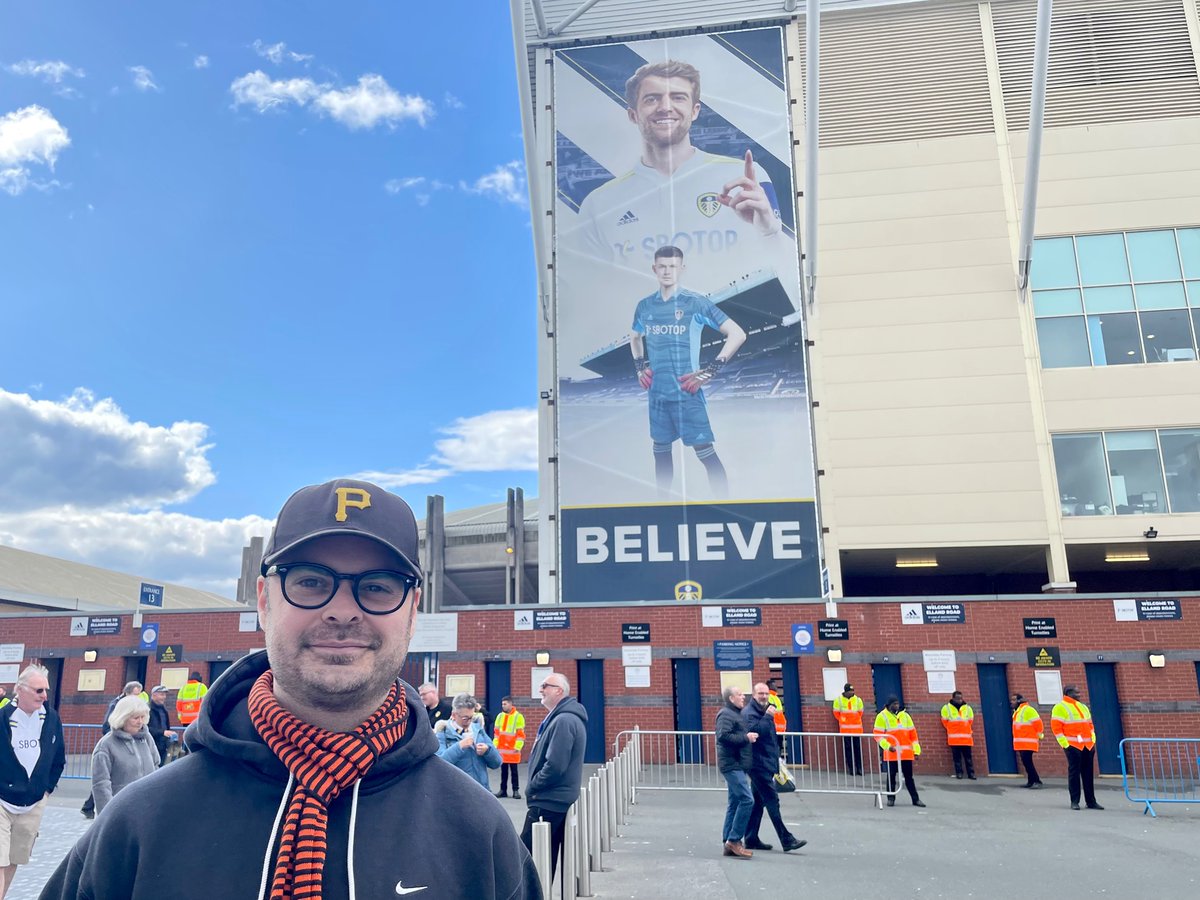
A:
(1043, 657)
(170, 653)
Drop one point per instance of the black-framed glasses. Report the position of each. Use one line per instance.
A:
(377, 592)
(40, 691)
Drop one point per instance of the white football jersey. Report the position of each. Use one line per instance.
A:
(625, 220)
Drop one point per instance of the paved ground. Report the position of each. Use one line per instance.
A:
(986, 840)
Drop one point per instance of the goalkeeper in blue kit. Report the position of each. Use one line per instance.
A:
(667, 327)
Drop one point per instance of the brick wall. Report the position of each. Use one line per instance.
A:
(1154, 702)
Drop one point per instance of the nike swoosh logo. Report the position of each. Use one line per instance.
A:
(402, 890)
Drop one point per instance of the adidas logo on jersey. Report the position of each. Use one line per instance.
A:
(628, 219)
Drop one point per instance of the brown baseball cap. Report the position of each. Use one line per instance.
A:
(345, 506)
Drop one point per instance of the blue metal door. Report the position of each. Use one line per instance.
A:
(499, 685)
(591, 695)
(996, 712)
(792, 709)
(885, 677)
(1102, 700)
(686, 686)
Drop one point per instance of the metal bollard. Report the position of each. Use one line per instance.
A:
(583, 818)
(541, 854)
(619, 785)
(605, 831)
(612, 802)
(594, 851)
(570, 854)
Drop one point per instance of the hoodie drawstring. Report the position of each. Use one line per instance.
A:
(266, 872)
(350, 840)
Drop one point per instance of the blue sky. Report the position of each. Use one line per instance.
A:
(248, 247)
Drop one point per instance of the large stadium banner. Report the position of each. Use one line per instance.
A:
(685, 447)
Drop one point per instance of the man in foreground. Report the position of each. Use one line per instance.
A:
(556, 764)
(32, 757)
(313, 771)
(758, 720)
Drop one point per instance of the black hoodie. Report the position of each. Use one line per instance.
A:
(205, 826)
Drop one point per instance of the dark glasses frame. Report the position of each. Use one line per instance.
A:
(409, 580)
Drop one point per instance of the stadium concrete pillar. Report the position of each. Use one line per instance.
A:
(435, 553)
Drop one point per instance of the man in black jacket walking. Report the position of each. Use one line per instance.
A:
(556, 763)
(735, 760)
(758, 719)
(160, 722)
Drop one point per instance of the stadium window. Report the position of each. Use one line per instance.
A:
(1082, 476)
(1135, 472)
(1181, 459)
(1117, 299)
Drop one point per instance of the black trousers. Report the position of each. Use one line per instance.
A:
(852, 749)
(962, 757)
(762, 786)
(1031, 775)
(905, 766)
(558, 826)
(1081, 764)
(505, 768)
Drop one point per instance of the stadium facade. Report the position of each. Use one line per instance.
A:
(958, 419)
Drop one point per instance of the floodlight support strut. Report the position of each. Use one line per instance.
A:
(1033, 157)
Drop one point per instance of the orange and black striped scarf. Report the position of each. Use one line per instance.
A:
(323, 763)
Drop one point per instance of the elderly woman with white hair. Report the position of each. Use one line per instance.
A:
(126, 753)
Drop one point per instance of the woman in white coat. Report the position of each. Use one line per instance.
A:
(126, 753)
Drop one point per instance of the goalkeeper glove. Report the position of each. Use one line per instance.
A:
(645, 374)
(693, 381)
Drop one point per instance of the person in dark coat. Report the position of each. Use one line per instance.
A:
(160, 722)
(757, 717)
(735, 759)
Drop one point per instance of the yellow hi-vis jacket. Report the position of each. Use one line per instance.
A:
(776, 705)
(957, 722)
(187, 704)
(896, 733)
(1026, 728)
(848, 713)
(1071, 722)
(510, 736)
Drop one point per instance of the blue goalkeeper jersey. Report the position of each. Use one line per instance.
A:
(672, 329)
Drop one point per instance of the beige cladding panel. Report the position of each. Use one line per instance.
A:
(937, 393)
(906, 311)
(936, 337)
(912, 513)
(887, 451)
(864, 531)
(1113, 398)
(931, 478)
(948, 363)
(950, 423)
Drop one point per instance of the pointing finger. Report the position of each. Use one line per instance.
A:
(749, 165)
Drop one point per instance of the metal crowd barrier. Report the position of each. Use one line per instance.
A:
(687, 761)
(79, 741)
(591, 824)
(1160, 770)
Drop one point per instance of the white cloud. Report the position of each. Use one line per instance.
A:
(200, 553)
(505, 183)
(277, 53)
(50, 71)
(200, 62)
(143, 78)
(499, 441)
(258, 90)
(29, 136)
(452, 102)
(81, 480)
(88, 454)
(422, 188)
(369, 103)
(373, 101)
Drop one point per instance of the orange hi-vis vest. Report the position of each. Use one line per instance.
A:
(510, 736)
(1027, 728)
(776, 706)
(187, 704)
(848, 714)
(957, 721)
(896, 732)
(1071, 722)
